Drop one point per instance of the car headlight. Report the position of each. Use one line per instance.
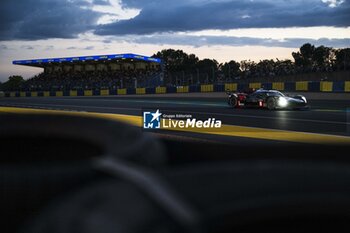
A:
(304, 99)
(282, 102)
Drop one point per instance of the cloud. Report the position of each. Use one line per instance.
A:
(112, 11)
(101, 2)
(28, 47)
(333, 3)
(42, 19)
(49, 47)
(89, 48)
(200, 41)
(47, 19)
(191, 15)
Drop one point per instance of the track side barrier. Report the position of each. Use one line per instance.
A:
(219, 88)
(207, 88)
(112, 92)
(278, 86)
(243, 86)
(96, 92)
(194, 88)
(73, 93)
(59, 93)
(313, 86)
(171, 89)
(255, 85)
(87, 92)
(150, 90)
(104, 92)
(347, 86)
(301, 86)
(140, 91)
(326, 86)
(161, 90)
(131, 91)
(266, 86)
(121, 91)
(338, 86)
(231, 86)
(182, 89)
(289, 86)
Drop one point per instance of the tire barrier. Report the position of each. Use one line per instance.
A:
(104, 92)
(161, 90)
(87, 92)
(207, 88)
(278, 86)
(182, 89)
(255, 85)
(347, 86)
(231, 86)
(73, 93)
(121, 91)
(140, 91)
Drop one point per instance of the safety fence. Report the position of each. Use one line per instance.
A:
(302, 86)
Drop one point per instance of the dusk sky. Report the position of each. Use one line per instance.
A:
(219, 29)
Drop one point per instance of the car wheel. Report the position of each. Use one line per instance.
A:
(271, 104)
(233, 102)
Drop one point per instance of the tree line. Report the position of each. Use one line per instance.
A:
(309, 58)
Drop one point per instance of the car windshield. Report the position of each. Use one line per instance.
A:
(275, 93)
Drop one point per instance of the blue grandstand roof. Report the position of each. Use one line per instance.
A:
(39, 62)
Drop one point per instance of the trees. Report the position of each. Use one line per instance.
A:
(179, 65)
(246, 68)
(189, 69)
(230, 69)
(13, 83)
(342, 59)
(322, 58)
(207, 63)
(177, 60)
(304, 58)
(208, 67)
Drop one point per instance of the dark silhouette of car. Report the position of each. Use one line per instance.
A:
(270, 99)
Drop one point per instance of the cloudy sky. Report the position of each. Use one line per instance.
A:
(220, 29)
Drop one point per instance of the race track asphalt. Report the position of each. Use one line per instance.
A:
(326, 116)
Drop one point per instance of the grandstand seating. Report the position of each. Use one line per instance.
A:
(62, 81)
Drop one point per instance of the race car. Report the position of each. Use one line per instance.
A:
(270, 99)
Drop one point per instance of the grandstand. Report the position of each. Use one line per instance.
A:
(114, 71)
